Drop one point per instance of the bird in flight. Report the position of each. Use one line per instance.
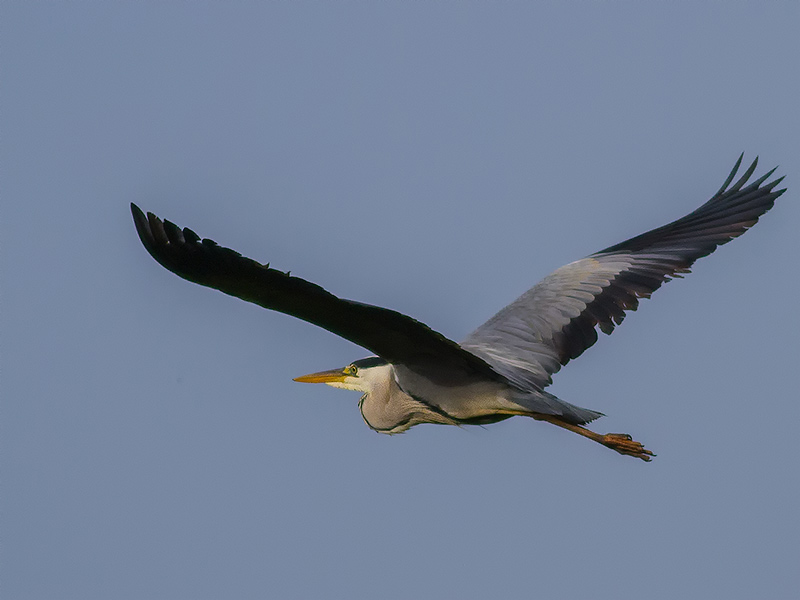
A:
(501, 369)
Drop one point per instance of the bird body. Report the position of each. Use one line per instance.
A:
(502, 368)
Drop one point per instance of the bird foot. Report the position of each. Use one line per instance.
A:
(624, 444)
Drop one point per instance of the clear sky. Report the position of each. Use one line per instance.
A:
(435, 158)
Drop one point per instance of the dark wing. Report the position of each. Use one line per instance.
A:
(389, 334)
(553, 322)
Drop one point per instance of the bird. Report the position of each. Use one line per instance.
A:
(417, 375)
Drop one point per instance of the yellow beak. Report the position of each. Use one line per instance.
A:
(333, 376)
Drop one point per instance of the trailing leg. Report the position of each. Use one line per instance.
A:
(621, 442)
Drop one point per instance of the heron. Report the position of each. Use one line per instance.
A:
(417, 375)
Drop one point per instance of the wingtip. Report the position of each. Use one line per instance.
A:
(745, 176)
(730, 177)
(140, 221)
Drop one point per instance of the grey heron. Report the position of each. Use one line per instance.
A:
(500, 370)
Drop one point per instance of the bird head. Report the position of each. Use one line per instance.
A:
(361, 375)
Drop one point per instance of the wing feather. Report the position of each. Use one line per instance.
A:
(556, 320)
(387, 333)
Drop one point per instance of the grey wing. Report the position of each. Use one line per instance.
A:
(555, 321)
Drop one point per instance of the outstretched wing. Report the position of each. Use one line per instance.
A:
(553, 322)
(389, 334)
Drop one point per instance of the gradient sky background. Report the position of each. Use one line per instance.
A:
(435, 158)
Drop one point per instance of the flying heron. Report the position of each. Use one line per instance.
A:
(502, 368)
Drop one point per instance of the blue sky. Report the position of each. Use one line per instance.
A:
(435, 158)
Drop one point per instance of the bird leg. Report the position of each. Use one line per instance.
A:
(621, 442)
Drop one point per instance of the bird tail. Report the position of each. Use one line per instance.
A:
(578, 415)
(545, 403)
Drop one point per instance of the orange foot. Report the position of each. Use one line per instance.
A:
(624, 444)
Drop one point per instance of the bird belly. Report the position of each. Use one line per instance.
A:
(465, 399)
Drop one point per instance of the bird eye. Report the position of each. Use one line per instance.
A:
(351, 370)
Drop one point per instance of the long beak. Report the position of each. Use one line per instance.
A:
(334, 375)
